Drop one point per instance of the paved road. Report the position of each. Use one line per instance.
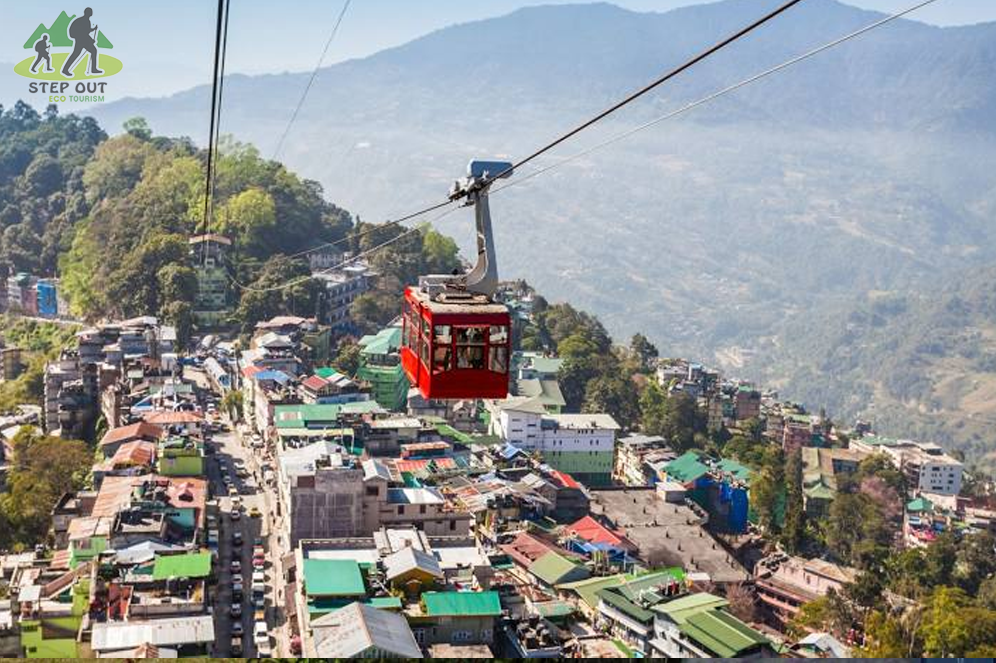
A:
(228, 449)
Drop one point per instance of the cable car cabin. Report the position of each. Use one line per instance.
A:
(457, 347)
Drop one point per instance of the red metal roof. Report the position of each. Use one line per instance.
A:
(252, 370)
(143, 430)
(314, 382)
(526, 549)
(593, 531)
(565, 480)
(168, 417)
(136, 452)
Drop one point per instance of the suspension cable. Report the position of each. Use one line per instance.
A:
(647, 88)
(712, 97)
(351, 259)
(311, 80)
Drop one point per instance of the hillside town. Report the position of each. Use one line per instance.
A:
(288, 493)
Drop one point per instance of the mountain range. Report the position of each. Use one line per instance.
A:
(729, 233)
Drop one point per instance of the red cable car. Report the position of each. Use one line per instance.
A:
(456, 339)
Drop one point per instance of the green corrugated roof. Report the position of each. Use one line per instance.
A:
(919, 505)
(298, 416)
(553, 568)
(448, 431)
(326, 372)
(740, 472)
(819, 492)
(461, 604)
(721, 633)
(680, 609)
(384, 342)
(588, 589)
(190, 565)
(625, 596)
(333, 577)
(554, 609)
(386, 602)
(685, 468)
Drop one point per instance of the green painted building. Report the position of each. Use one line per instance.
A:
(55, 637)
(181, 457)
(380, 365)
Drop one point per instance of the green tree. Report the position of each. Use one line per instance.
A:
(645, 352)
(232, 404)
(44, 468)
(180, 314)
(250, 219)
(614, 395)
(440, 253)
(347, 359)
(372, 310)
(793, 533)
(138, 127)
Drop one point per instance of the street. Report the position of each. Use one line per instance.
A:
(228, 454)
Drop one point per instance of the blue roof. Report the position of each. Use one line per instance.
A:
(510, 451)
(276, 376)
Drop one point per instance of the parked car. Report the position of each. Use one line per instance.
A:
(236, 514)
(236, 609)
(237, 629)
(255, 512)
(236, 648)
(237, 538)
(261, 633)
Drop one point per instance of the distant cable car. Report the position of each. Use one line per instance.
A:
(456, 339)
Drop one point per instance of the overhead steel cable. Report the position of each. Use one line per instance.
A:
(649, 87)
(549, 146)
(519, 179)
(220, 37)
(311, 79)
(351, 259)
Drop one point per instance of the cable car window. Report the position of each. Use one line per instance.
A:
(470, 356)
(469, 335)
(443, 334)
(498, 335)
(498, 359)
(442, 359)
(423, 350)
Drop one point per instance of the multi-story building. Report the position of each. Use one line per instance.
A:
(631, 453)
(582, 445)
(341, 287)
(70, 395)
(380, 366)
(925, 465)
(207, 255)
(784, 584)
(327, 493)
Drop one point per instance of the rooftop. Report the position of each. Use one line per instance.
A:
(191, 565)
(461, 604)
(361, 629)
(721, 633)
(333, 577)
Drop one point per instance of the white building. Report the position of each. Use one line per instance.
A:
(582, 445)
(925, 464)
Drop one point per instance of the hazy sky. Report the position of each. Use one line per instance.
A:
(167, 46)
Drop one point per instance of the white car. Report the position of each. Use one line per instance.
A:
(261, 633)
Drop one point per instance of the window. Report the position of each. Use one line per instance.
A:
(401, 509)
(470, 347)
(452, 525)
(498, 359)
(421, 508)
(372, 490)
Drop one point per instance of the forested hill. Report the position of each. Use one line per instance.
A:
(919, 364)
(111, 217)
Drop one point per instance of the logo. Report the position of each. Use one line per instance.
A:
(72, 70)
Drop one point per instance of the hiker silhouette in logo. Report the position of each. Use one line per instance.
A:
(84, 39)
(41, 48)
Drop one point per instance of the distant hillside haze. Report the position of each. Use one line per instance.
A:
(865, 169)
